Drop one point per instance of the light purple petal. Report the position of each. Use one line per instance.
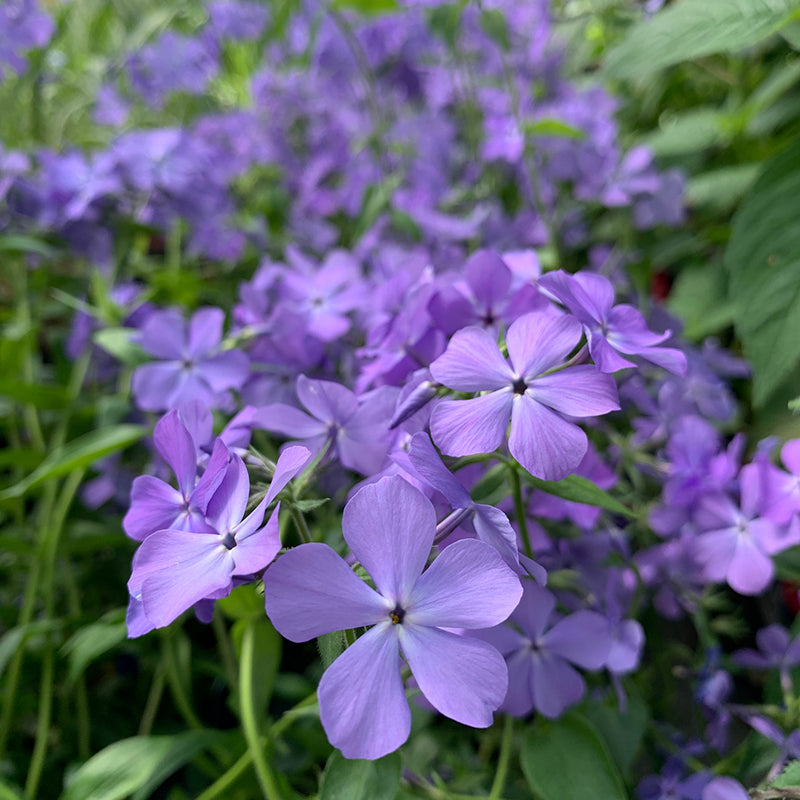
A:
(578, 391)
(519, 697)
(255, 551)
(362, 705)
(176, 447)
(215, 471)
(135, 620)
(488, 277)
(466, 427)
(469, 693)
(288, 421)
(626, 647)
(472, 363)
(725, 789)
(154, 506)
(605, 356)
(534, 610)
(584, 638)
(715, 551)
(205, 331)
(790, 456)
(389, 526)
(154, 385)
(310, 590)
(492, 526)
(325, 400)
(750, 570)
(538, 341)
(172, 570)
(544, 443)
(556, 685)
(163, 335)
(628, 330)
(467, 586)
(198, 421)
(289, 464)
(227, 506)
(228, 370)
(427, 464)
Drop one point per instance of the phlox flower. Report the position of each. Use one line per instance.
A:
(545, 443)
(191, 366)
(610, 329)
(174, 569)
(389, 525)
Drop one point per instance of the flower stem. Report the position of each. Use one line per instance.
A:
(519, 511)
(503, 761)
(247, 713)
(228, 778)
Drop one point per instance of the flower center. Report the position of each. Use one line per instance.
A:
(229, 541)
(397, 614)
(519, 386)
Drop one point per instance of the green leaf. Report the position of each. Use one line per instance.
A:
(77, 454)
(789, 777)
(688, 132)
(12, 640)
(307, 505)
(268, 647)
(699, 298)
(489, 483)
(494, 24)
(39, 395)
(694, 28)
(763, 261)
(117, 342)
(26, 244)
(368, 8)
(9, 793)
(244, 602)
(88, 643)
(136, 766)
(621, 731)
(787, 564)
(549, 126)
(721, 189)
(331, 646)
(579, 490)
(566, 759)
(356, 779)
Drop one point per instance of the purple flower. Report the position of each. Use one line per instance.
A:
(174, 569)
(781, 489)
(672, 784)
(237, 21)
(725, 789)
(737, 543)
(545, 443)
(611, 329)
(540, 654)
(23, 26)
(310, 591)
(777, 649)
(356, 428)
(192, 366)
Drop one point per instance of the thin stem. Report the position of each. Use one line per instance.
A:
(176, 686)
(519, 511)
(228, 778)
(288, 717)
(226, 651)
(302, 526)
(247, 712)
(42, 726)
(153, 700)
(504, 759)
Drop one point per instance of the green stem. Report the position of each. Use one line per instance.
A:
(519, 511)
(247, 712)
(42, 727)
(504, 759)
(176, 686)
(301, 525)
(227, 779)
(153, 701)
(288, 717)
(226, 652)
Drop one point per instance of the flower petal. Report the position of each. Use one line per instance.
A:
(362, 705)
(326, 400)
(176, 446)
(544, 443)
(154, 506)
(584, 638)
(556, 685)
(288, 421)
(467, 586)
(228, 370)
(578, 391)
(290, 462)
(389, 525)
(310, 591)
(252, 553)
(472, 363)
(227, 505)
(427, 464)
(466, 427)
(468, 692)
(205, 331)
(538, 341)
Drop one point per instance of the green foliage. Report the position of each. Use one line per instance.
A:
(137, 766)
(566, 759)
(763, 259)
(579, 490)
(695, 28)
(89, 642)
(346, 779)
(789, 777)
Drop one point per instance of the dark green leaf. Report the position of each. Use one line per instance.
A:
(489, 483)
(493, 22)
(579, 490)
(763, 260)
(330, 646)
(787, 564)
(694, 28)
(566, 759)
(346, 779)
(39, 395)
(88, 643)
(136, 765)
(699, 298)
(244, 602)
(77, 454)
(12, 640)
(688, 132)
(621, 731)
(26, 244)
(722, 188)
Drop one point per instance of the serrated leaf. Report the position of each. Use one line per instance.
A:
(136, 766)
(77, 454)
(763, 261)
(566, 759)
(87, 644)
(357, 779)
(579, 490)
(694, 28)
(789, 777)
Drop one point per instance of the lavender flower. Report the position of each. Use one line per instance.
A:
(310, 591)
(545, 443)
